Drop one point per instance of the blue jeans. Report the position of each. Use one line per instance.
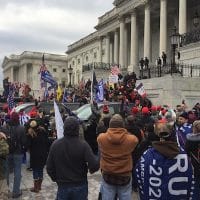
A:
(66, 192)
(14, 164)
(37, 173)
(109, 191)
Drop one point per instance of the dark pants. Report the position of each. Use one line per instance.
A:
(37, 173)
(66, 192)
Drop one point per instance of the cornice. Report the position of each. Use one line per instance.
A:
(32, 56)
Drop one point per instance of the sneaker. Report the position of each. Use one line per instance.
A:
(29, 169)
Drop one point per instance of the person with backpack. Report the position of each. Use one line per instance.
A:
(17, 143)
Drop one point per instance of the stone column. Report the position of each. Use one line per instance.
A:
(182, 16)
(100, 49)
(134, 42)
(163, 26)
(11, 78)
(147, 32)
(25, 74)
(121, 42)
(107, 48)
(116, 47)
(125, 46)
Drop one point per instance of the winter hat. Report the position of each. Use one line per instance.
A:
(33, 124)
(71, 126)
(170, 116)
(153, 108)
(184, 115)
(105, 109)
(163, 129)
(116, 121)
(196, 126)
(145, 110)
(134, 110)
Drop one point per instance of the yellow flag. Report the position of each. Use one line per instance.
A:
(59, 93)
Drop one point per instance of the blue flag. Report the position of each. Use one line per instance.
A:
(162, 178)
(100, 91)
(70, 113)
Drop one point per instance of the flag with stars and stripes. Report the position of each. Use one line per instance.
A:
(10, 99)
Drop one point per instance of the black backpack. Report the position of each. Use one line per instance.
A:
(13, 139)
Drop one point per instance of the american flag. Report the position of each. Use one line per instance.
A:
(10, 100)
(115, 70)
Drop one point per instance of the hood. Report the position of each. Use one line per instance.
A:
(116, 135)
(193, 137)
(168, 149)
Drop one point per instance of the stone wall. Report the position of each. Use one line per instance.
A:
(171, 90)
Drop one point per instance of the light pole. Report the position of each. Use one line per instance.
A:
(175, 40)
(70, 70)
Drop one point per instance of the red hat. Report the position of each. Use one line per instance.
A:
(145, 110)
(153, 108)
(135, 110)
(105, 109)
(158, 108)
(163, 111)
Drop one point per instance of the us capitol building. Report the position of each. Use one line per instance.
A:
(136, 29)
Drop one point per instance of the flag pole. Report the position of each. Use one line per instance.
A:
(92, 83)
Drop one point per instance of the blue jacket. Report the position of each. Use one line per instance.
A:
(165, 173)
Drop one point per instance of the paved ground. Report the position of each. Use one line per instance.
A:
(49, 188)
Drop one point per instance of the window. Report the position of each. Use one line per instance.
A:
(73, 62)
(54, 70)
(63, 70)
(95, 55)
(86, 58)
(79, 61)
(103, 52)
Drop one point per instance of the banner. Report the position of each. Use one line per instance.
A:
(140, 89)
(159, 177)
(100, 91)
(59, 121)
(113, 79)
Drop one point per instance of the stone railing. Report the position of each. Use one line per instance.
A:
(97, 65)
(190, 37)
(170, 68)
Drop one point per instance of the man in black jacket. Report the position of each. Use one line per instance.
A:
(68, 163)
(17, 143)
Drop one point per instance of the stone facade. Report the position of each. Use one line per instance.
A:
(171, 90)
(24, 68)
(135, 29)
(131, 30)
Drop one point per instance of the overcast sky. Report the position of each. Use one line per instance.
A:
(46, 25)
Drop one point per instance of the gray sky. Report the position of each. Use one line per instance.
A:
(46, 25)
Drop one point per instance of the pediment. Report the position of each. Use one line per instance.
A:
(119, 2)
(5, 61)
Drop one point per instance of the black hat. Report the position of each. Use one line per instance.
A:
(184, 115)
(71, 126)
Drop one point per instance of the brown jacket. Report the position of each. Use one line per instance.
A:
(116, 146)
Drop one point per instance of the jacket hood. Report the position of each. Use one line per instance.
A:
(193, 137)
(116, 135)
(168, 149)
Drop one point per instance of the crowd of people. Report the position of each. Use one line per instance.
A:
(153, 150)
(149, 149)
